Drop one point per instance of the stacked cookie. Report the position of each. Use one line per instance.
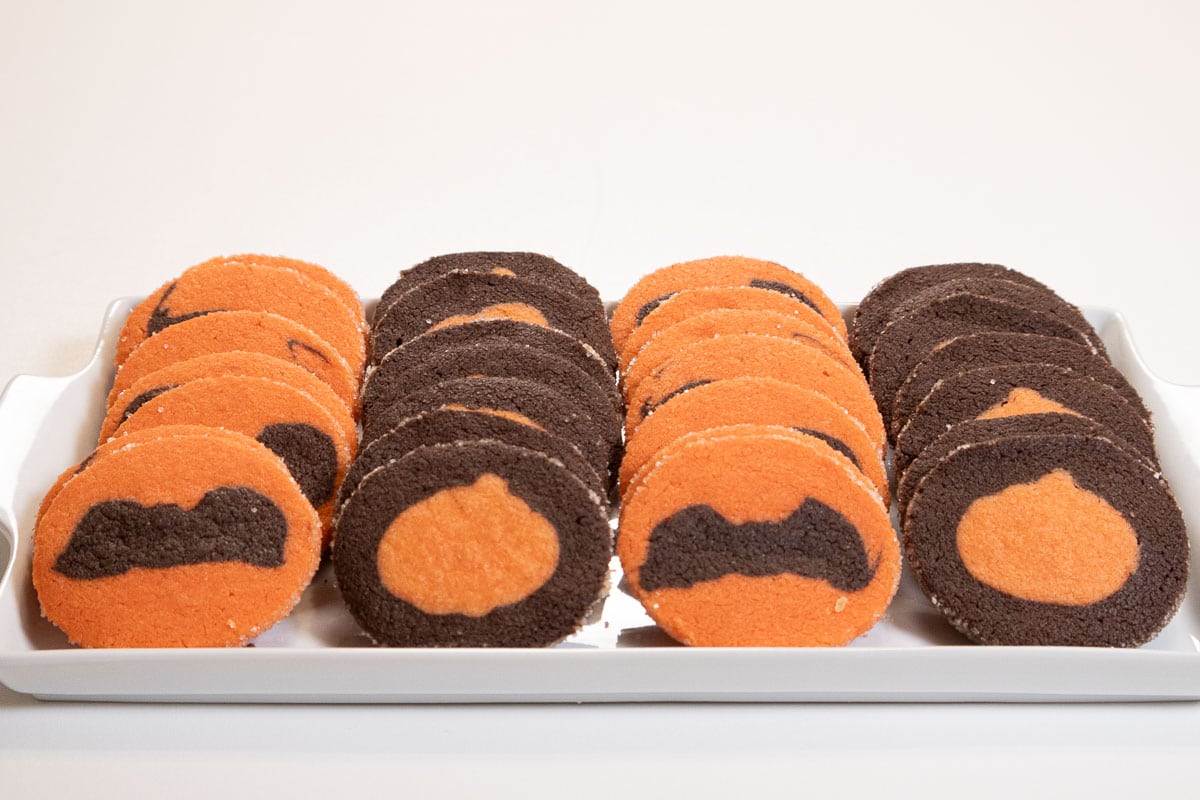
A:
(1028, 486)
(199, 519)
(753, 485)
(476, 513)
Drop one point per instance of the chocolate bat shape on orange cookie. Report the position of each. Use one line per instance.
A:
(814, 541)
(230, 523)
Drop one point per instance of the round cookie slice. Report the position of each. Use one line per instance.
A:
(473, 544)
(758, 536)
(549, 340)
(218, 365)
(459, 297)
(525, 401)
(656, 287)
(875, 310)
(762, 401)
(251, 331)
(184, 541)
(312, 271)
(728, 322)
(530, 266)
(1006, 391)
(907, 340)
(444, 427)
(314, 445)
(988, 349)
(224, 285)
(1048, 540)
(693, 302)
(742, 356)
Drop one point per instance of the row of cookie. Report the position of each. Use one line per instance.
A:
(1028, 488)
(476, 513)
(200, 517)
(753, 481)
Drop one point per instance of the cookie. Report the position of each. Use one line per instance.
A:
(311, 271)
(667, 342)
(473, 544)
(217, 365)
(875, 310)
(688, 303)
(1036, 298)
(185, 541)
(997, 349)
(525, 401)
(250, 331)
(908, 339)
(764, 401)
(985, 430)
(315, 446)
(1048, 540)
(224, 285)
(529, 266)
(445, 427)
(496, 359)
(743, 356)
(548, 340)
(1007, 391)
(459, 297)
(723, 271)
(758, 536)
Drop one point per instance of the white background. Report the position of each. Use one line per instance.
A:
(846, 140)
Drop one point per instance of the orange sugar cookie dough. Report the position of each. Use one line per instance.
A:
(218, 365)
(764, 401)
(758, 536)
(693, 302)
(224, 285)
(655, 288)
(253, 331)
(726, 322)
(315, 447)
(183, 541)
(746, 355)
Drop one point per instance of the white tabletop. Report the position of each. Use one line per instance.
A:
(844, 140)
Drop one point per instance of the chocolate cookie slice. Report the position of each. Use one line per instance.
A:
(474, 544)
(550, 340)
(907, 340)
(1007, 391)
(459, 297)
(875, 310)
(984, 430)
(526, 401)
(1048, 540)
(997, 349)
(444, 427)
(530, 266)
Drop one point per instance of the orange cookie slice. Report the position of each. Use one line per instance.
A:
(217, 365)
(224, 285)
(313, 271)
(316, 447)
(692, 302)
(659, 285)
(729, 322)
(252, 331)
(758, 536)
(184, 541)
(747, 355)
(764, 401)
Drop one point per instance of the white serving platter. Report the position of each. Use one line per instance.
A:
(319, 655)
